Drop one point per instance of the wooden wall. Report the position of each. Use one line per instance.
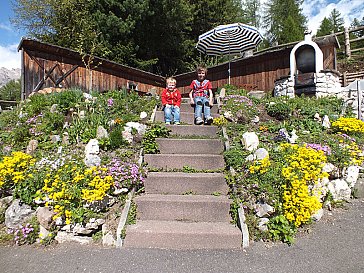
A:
(63, 67)
(45, 65)
(260, 70)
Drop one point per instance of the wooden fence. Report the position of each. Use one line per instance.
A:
(45, 65)
(261, 70)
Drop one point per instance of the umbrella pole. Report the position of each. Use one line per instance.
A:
(229, 69)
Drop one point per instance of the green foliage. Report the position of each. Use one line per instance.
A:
(281, 230)
(235, 157)
(279, 110)
(155, 131)
(284, 21)
(325, 28)
(11, 91)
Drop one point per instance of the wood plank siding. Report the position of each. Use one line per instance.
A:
(46, 65)
(260, 70)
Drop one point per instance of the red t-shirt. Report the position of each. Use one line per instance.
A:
(201, 89)
(171, 97)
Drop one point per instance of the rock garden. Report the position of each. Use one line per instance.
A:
(69, 162)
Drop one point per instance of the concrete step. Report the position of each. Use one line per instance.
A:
(190, 146)
(193, 130)
(185, 117)
(187, 107)
(188, 208)
(182, 235)
(178, 161)
(179, 183)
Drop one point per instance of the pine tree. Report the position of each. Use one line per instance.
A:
(336, 20)
(284, 21)
(325, 28)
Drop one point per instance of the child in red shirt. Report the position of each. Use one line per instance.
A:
(201, 96)
(171, 100)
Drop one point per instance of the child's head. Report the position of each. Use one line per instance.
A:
(171, 83)
(201, 72)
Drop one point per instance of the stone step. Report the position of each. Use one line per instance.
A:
(190, 146)
(178, 161)
(182, 235)
(188, 208)
(185, 117)
(187, 107)
(179, 183)
(193, 130)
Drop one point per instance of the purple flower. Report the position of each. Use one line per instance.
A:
(110, 102)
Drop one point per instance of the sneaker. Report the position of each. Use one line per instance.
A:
(168, 123)
(198, 121)
(177, 123)
(209, 120)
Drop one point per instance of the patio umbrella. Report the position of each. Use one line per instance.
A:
(229, 40)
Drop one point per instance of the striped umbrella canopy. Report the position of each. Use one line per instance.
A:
(229, 39)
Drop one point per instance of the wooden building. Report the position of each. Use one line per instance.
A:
(260, 70)
(46, 65)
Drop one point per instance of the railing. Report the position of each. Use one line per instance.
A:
(347, 78)
(7, 104)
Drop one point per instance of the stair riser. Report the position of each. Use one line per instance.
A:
(180, 185)
(190, 146)
(187, 118)
(170, 162)
(190, 130)
(182, 241)
(186, 107)
(183, 211)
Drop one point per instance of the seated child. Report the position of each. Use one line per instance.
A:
(171, 100)
(201, 96)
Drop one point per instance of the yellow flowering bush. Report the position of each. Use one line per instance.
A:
(71, 187)
(13, 169)
(348, 125)
(260, 166)
(304, 170)
(220, 121)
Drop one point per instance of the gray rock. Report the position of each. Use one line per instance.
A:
(318, 215)
(257, 94)
(92, 160)
(55, 138)
(261, 153)
(263, 209)
(45, 217)
(101, 133)
(250, 141)
(262, 224)
(339, 189)
(92, 147)
(54, 108)
(32, 146)
(64, 237)
(326, 122)
(16, 214)
(65, 139)
(5, 202)
(43, 232)
(107, 237)
(359, 187)
(79, 229)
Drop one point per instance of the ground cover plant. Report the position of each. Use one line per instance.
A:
(292, 180)
(53, 172)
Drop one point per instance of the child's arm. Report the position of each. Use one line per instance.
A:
(164, 97)
(179, 98)
(191, 97)
(211, 97)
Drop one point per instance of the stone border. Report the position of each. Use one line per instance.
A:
(243, 225)
(123, 218)
(152, 116)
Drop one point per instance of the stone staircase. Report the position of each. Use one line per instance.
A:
(182, 210)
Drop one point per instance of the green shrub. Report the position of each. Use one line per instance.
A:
(279, 110)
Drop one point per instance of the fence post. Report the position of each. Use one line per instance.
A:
(360, 98)
(345, 80)
(347, 43)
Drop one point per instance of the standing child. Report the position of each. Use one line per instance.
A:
(201, 96)
(171, 100)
